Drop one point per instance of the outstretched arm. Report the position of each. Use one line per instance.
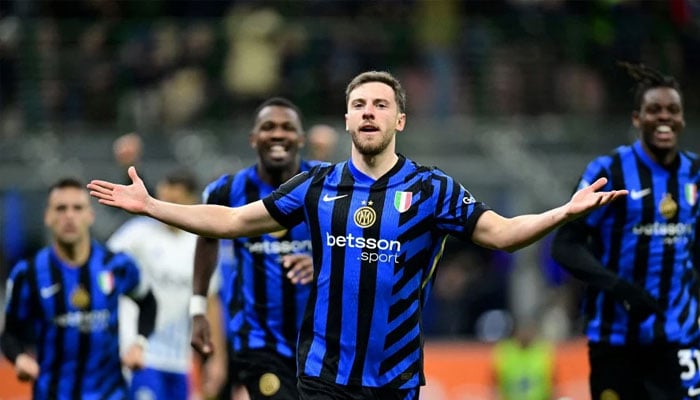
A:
(571, 250)
(510, 234)
(202, 219)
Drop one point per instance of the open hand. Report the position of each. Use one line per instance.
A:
(133, 198)
(134, 357)
(26, 368)
(300, 266)
(201, 336)
(589, 198)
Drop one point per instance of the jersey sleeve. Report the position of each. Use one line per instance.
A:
(216, 192)
(286, 204)
(18, 300)
(131, 282)
(456, 210)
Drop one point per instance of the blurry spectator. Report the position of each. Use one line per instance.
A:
(128, 150)
(524, 365)
(184, 97)
(322, 141)
(437, 28)
(164, 255)
(253, 61)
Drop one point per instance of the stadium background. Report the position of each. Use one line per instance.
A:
(512, 97)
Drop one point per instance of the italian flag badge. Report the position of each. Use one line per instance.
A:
(106, 282)
(402, 201)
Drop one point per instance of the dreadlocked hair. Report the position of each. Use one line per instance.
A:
(647, 78)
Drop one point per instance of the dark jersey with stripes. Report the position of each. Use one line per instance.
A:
(376, 244)
(646, 238)
(74, 311)
(264, 307)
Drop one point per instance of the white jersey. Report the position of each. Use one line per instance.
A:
(165, 256)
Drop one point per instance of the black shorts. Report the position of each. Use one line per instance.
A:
(639, 372)
(265, 374)
(311, 388)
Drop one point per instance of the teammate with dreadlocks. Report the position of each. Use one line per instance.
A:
(636, 255)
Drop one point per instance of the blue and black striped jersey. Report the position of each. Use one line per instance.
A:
(264, 308)
(376, 244)
(74, 311)
(646, 238)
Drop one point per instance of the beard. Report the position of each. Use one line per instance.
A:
(367, 148)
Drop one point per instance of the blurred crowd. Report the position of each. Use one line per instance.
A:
(159, 66)
(162, 65)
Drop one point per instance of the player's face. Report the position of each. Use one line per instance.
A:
(660, 120)
(277, 136)
(69, 215)
(373, 118)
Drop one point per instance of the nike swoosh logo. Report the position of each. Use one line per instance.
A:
(638, 194)
(49, 291)
(693, 391)
(326, 197)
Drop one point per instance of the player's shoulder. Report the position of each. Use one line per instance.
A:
(25, 264)
(425, 171)
(114, 259)
(607, 159)
(693, 157)
(315, 170)
(225, 179)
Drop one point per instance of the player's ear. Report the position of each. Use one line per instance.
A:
(252, 139)
(635, 119)
(400, 122)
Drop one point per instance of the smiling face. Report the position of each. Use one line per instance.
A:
(660, 122)
(69, 215)
(277, 137)
(373, 118)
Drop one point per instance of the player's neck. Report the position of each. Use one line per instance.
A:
(73, 254)
(374, 166)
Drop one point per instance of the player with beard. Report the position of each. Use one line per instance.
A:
(61, 330)
(378, 224)
(637, 255)
(266, 280)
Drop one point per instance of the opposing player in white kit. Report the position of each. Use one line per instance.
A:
(165, 256)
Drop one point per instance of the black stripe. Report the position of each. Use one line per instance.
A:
(668, 258)
(368, 283)
(620, 211)
(405, 327)
(338, 222)
(60, 308)
(641, 251)
(84, 337)
(289, 303)
(313, 197)
(222, 194)
(252, 193)
(391, 361)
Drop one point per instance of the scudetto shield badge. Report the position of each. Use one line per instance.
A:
(691, 193)
(402, 201)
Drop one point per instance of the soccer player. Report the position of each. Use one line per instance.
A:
(378, 223)
(164, 255)
(266, 293)
(637, 255)
(63, 307)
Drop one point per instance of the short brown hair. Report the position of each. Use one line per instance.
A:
(382, 77)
